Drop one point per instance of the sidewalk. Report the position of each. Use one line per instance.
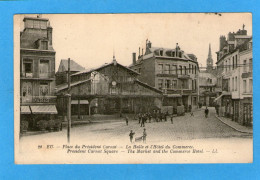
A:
(235, 125)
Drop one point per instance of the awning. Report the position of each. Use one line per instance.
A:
(25, 110)
(80, 101)
(45, 109)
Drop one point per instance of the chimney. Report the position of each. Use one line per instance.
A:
(222, 42)
(149, 44)
(142, 51)
(139, 53)
(134, 58)
(49, 34)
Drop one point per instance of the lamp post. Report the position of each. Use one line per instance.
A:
(69, 104)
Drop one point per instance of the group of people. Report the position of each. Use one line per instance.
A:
(143, 137)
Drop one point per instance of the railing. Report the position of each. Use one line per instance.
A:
(39, 99)
(183, 76)
(246, 74)
(37, 75)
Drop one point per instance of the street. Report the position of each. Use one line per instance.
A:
(217, 141)
(183, 128)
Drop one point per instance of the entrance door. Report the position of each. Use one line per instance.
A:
(247, 114)
(26, 92)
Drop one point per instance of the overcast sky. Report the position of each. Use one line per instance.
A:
(90, 39)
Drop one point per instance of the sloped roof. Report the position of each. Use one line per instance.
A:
(100, 67)
(65, 85)
(73, 66)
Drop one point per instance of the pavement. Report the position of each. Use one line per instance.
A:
(183, 128)
(234, 125)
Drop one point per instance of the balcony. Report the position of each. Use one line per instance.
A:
(246, 74)
(183, 76)
(38, 99)
(31, 75)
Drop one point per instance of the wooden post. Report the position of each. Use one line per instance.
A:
(78, 109)
(69, 104)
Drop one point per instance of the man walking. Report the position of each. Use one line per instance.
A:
(172, 118)
(126, 120)
(131, 135)
(144, 136)
(206, 112)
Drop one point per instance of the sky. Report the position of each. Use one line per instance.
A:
(92, 39)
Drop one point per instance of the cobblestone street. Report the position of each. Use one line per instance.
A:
(183, 128)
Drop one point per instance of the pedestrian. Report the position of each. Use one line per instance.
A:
(150, 117)
(139, 117)
(131, 135)
(144, 136)
(172, 118)
(191, 113)
(126, 120)
(206, 112)
(142, 121)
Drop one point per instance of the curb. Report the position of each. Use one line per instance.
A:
(232, 126)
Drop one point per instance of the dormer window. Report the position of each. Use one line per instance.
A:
(161, 52)
(173, 53)
(180, 54)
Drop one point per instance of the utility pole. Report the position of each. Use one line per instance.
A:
(69, 104)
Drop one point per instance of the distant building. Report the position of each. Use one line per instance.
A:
(170, 70)
(37, 68)
(234, 67)
(62, 73)
(207, 83)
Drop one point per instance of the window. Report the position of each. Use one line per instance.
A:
(236, 61)
(167, 69)
(44, 89)
(185, 70)
(195, 68)
(180, 54)
(195, 84)
(245, 66)
(232, 84)
(233, 65)
(173, 53)
(189, 68)
(244, 86)
(160, 69)
(250, 85)
(167, 84)
(235, 83)
(161, 52)
(192, 69)
(250, 65)
(44, 68)
(160, 83)
(180, 69)
(174, 84)
(192, 85)
(174, 69)
(28, 67)
(139, 70)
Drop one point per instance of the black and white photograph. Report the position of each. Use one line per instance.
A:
(138, 88)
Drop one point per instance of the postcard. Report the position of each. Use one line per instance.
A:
(133, 88)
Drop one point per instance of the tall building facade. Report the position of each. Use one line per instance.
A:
(235, 77)
(37, 71)
(171, 70)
